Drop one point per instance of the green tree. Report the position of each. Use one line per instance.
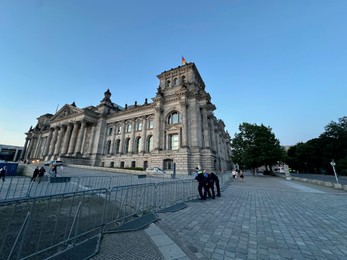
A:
(315, 155)
(255, 146)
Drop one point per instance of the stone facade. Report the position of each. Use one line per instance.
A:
(177, 128)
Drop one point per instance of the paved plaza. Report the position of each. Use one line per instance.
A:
(261, 217)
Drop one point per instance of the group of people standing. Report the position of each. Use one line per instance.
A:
(206, 183)
(238, 173)
(38, 174)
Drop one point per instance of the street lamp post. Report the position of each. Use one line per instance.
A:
(333, 165)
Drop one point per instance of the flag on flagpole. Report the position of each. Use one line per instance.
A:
(183, 61)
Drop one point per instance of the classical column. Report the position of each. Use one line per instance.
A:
(80, 138)
(195, 129)
(51, 148)
(67, 138)
(143, 134)
(91, 140)
(31, 142)
(184, 124)
(206, 143)
(48, 142)
(113, 138)
(132, 141)
(25, 148)
(84, 139)
(157, 128)
(122, 138)
(60, 138)
(73, 139)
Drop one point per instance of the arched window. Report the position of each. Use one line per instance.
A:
(127, 145)
(176, 81)
(118, 146)
(108, 147)
(110, 130)
(150, 144)
(174, 118)
(168, 83)
(183, 78)
(138, 144)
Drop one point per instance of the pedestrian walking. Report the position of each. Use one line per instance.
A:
(35, 174)
(210, 185)
(54, 170)
(216, 182)
(41, 173)
(234, 174)
(241, 175)
(3, 173)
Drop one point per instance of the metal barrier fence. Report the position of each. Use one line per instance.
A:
(23, 187)
(38, 227)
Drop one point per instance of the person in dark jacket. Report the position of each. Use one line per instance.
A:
(210, 185)
(199, 176)
(41, 173)
(35, 174)
(216, 181)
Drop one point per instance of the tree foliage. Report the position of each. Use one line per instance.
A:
(315, 155)
(255, 146)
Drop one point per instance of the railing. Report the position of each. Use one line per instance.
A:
(23, 187)
(38, 227)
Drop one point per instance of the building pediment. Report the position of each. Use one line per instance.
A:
(66, 111)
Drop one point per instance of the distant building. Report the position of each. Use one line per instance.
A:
(10, 153)
(177, 127)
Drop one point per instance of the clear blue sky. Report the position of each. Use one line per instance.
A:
(277, 62)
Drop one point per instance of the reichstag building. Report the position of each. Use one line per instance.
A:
(177, 127)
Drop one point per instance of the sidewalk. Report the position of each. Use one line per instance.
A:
(261, 217)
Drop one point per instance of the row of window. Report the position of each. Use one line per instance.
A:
(137, 145)
(173, 118)
(175, 82)
(173, 143)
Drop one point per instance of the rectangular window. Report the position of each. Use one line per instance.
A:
(151, 124)
(174, 142)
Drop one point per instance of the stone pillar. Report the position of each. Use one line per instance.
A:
(29, 148)
(73, 139)
(91, 141)
(143, 134)
(51, 148)
(184, 137)
(206, 143)
(195, 134)
(84, 138)
(80, 138)
(59, 141)
(132, 141)
(157, 132)
(25, 148)
(48, 142)
(122, 138)
(67, 138)
(113, 138)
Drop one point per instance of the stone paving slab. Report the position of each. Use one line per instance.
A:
(264, 217)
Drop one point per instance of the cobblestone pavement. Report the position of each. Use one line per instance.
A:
(263, 217)
(130, 245)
